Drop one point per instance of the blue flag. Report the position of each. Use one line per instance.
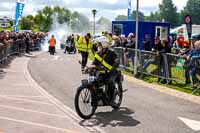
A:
(18, 13)
(129, 10)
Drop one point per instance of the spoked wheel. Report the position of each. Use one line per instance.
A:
(117, 96)
(84, 104)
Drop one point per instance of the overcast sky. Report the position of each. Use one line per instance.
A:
(107, 8)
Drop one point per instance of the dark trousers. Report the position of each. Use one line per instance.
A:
(191, 69)
(66, 49)
(84, 56)
(27, 48)
(52, 50)
(109, 80)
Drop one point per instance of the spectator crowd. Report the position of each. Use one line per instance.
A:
(11, 42)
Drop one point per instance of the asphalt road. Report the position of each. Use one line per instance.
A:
(143, 110)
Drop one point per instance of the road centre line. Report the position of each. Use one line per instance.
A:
(39, 125)
(33, 111)
(20, 99)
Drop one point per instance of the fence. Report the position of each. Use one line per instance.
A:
(166, 67)
(15, 47)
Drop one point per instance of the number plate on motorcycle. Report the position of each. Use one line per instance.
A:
(84, 81)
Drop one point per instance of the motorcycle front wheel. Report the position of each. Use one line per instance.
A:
(85, 103)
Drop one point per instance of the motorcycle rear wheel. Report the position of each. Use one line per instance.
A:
(117, 96)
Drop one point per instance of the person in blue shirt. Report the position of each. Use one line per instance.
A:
(192, 67)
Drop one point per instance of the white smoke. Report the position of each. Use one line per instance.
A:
(60, 32)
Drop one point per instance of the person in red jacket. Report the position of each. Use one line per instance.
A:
(180, 41)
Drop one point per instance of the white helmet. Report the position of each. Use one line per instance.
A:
(104, 41)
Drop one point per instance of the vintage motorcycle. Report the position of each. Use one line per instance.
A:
(96, 91)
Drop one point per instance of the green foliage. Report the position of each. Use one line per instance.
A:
(153, 17)
(140, 15)
(105, 24)
(11, 23)
(44, 19)
(26, 23)
(63, 15)
(193, 8)
(121, 18)
(168, 12)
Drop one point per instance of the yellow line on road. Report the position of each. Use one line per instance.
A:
(39, 125)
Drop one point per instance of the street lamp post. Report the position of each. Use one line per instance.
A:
(94, 12)
(136, 42)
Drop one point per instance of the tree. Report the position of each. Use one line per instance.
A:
(105, 24)
(47, 18)
(153, 17)
(63, 15)
(140, 15)
(193, 8)
(26, 23)
(182, 16)
(83, 22)
(103, 21)
(11, 22)
(121, 18)
(168, 12)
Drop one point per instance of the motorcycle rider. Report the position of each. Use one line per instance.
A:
(107, 60)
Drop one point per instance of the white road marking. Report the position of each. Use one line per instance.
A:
(33, 111)
(55, 58)
(194, 125)
(20, 99)
(44, 59)
(39, 125)
(22, 96)
(16, 84)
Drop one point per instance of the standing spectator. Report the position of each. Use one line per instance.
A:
(52, 44)
(124, 41)
(27, 42)
(154, 58)
(164, 65)
(68, 44)
(147, 43)
(106, 34)
(83, 46)
(2, 44)
(116, 42)
(129, 49)
(193, 57)
(180, 40)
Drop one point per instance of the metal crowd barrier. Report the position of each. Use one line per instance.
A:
(6, 50)
(126, 57)
(166, 67)
(15, 47)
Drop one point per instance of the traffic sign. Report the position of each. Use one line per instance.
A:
(188, 22)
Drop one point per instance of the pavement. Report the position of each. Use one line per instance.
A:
(27, 108)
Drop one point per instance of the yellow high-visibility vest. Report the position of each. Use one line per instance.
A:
(82, 44)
